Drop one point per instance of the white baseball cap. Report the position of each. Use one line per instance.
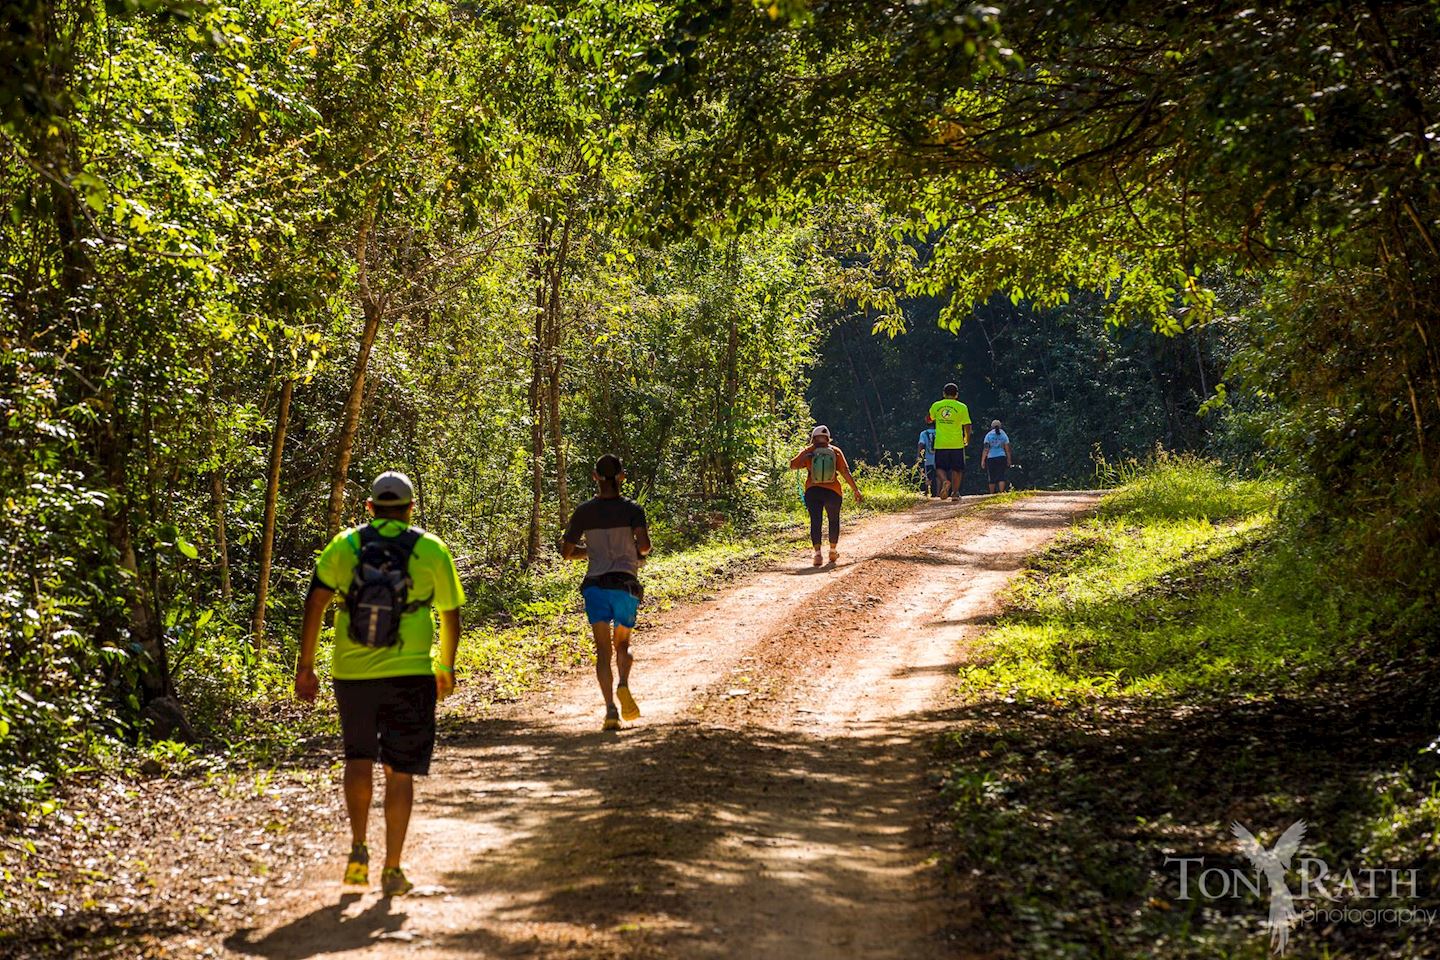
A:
(392, 489)
(820, 431)
(994, 423)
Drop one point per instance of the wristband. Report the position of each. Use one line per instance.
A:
(441, 666)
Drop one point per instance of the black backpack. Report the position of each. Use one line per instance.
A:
(380, 589)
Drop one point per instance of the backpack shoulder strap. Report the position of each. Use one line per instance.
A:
(408, 540)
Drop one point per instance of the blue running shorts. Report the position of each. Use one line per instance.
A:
(610, 606)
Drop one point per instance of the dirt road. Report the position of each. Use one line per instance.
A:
(769, 803)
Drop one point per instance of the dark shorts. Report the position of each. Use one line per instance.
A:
(996, 467)
(950, 460)
(391, 719)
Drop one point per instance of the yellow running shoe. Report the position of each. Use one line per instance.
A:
(357, 871)
(612, 719)
(629, 709)
(393, 882)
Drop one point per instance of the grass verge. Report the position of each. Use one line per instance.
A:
(1171, 666)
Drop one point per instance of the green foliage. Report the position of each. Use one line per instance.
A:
(418, 215)
(206, 202)
(1271, 169)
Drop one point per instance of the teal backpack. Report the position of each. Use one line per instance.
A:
(822, 465)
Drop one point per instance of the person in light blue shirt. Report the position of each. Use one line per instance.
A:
(926, 456)
(997, 456)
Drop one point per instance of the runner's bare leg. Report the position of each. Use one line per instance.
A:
(606, 679)
(359, 786)
(623, 657)
(399, 799)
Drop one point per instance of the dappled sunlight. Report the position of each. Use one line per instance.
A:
(653, 830)
(1085, 800)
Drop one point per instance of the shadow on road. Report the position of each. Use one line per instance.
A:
(705, 841)
(323, 931)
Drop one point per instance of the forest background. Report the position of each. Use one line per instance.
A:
(255, 254)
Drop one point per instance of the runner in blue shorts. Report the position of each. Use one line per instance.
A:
(616, 544)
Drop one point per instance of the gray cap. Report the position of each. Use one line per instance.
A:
(820, 431)
(392, 489)
(994, 423)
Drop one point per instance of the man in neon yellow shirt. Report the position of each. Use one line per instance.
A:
(386, 680)
(952, 436)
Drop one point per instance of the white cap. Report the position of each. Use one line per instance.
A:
(392, 489)
(994, 423)
(820, 431)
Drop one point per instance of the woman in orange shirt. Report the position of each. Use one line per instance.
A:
(825, 466)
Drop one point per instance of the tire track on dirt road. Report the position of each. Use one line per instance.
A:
(784, 821)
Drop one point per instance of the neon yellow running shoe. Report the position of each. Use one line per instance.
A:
(393, 882)
(357, 871)
(629, 709)
(612, 719)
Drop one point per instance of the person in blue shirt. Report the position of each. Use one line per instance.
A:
(926, 456)
(997, 456)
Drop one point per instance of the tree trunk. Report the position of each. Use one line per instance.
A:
(222, 547)
(1200, 365)
(155, 676)
(160, 709)
(557, 438)
(350, 422)
(732, 369)
(536, 398)
(555, 335)
(732, 389)
(267, 531)
(537, 440)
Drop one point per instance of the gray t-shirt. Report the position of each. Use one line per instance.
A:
(608, 525)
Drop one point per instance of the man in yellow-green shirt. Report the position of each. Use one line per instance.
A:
(952, 436)
(387, 677)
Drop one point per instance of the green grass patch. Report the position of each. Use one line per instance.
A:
(1182, 487)
(1155, 594)
(1180, 661)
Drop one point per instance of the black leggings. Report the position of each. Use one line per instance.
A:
(818, 499)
